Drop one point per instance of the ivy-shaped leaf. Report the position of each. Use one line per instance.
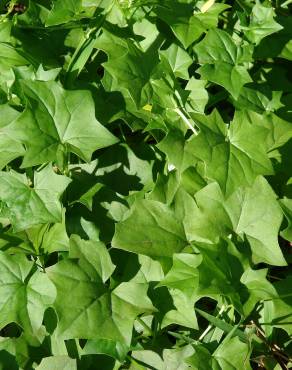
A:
(50, 126)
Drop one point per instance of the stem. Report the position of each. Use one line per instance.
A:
(183, 337)
(209, 327)
(66, 162)
(208, 4)
(51, 28)
(274, 349)
(145, 326)
(137, 365)
(81, 55)
(272, 276)
(155, 327)
(286, 3)
(186, 121)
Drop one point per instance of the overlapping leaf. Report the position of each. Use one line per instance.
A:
(252, 213)
(112, 312)
(222, 61)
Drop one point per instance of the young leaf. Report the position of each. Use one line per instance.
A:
(262, 23)
(178, 59)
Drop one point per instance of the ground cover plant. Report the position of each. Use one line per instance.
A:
(145, 184)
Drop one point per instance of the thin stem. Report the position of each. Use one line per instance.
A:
(137, 365)
(208, 4)
(272, 276)
(145, 326)
(67, 26)
(183, 337)
(209, 327)
(286, 3)
(275, 350)
(186, 121)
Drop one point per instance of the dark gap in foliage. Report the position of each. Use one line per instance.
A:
(11, 330)
(50, 320)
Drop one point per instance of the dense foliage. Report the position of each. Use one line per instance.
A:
(145, 189)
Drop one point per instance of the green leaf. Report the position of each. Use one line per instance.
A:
(10, 56)
(258, 287)
(151, 229)
(90, 304)
(175, 357)
(254, 98)
(286, 205)
(220, 57)
(232, 78)
(173, 146)
(228, 328)
(129, 67)
(149, 358)
(198, 96)
(178, 59)
(277, 307)
(259, 219)
(232, 156)
(201, 359)
(28, 206)
(252, 213)
(93, 256)
(262, 23)
(183, 312)
(172, 358)
(57, 362)
(186, 24)
(50, 124)
(9, 147)
(63, 11)
(145, 172)
(184, 273)
(232, 354)
(25, 294)
(220, 271)
(111, 348)
(218, 46)
(278, 130)
(55, 238)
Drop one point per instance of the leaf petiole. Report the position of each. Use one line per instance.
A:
(145, 326)
(186, 121)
